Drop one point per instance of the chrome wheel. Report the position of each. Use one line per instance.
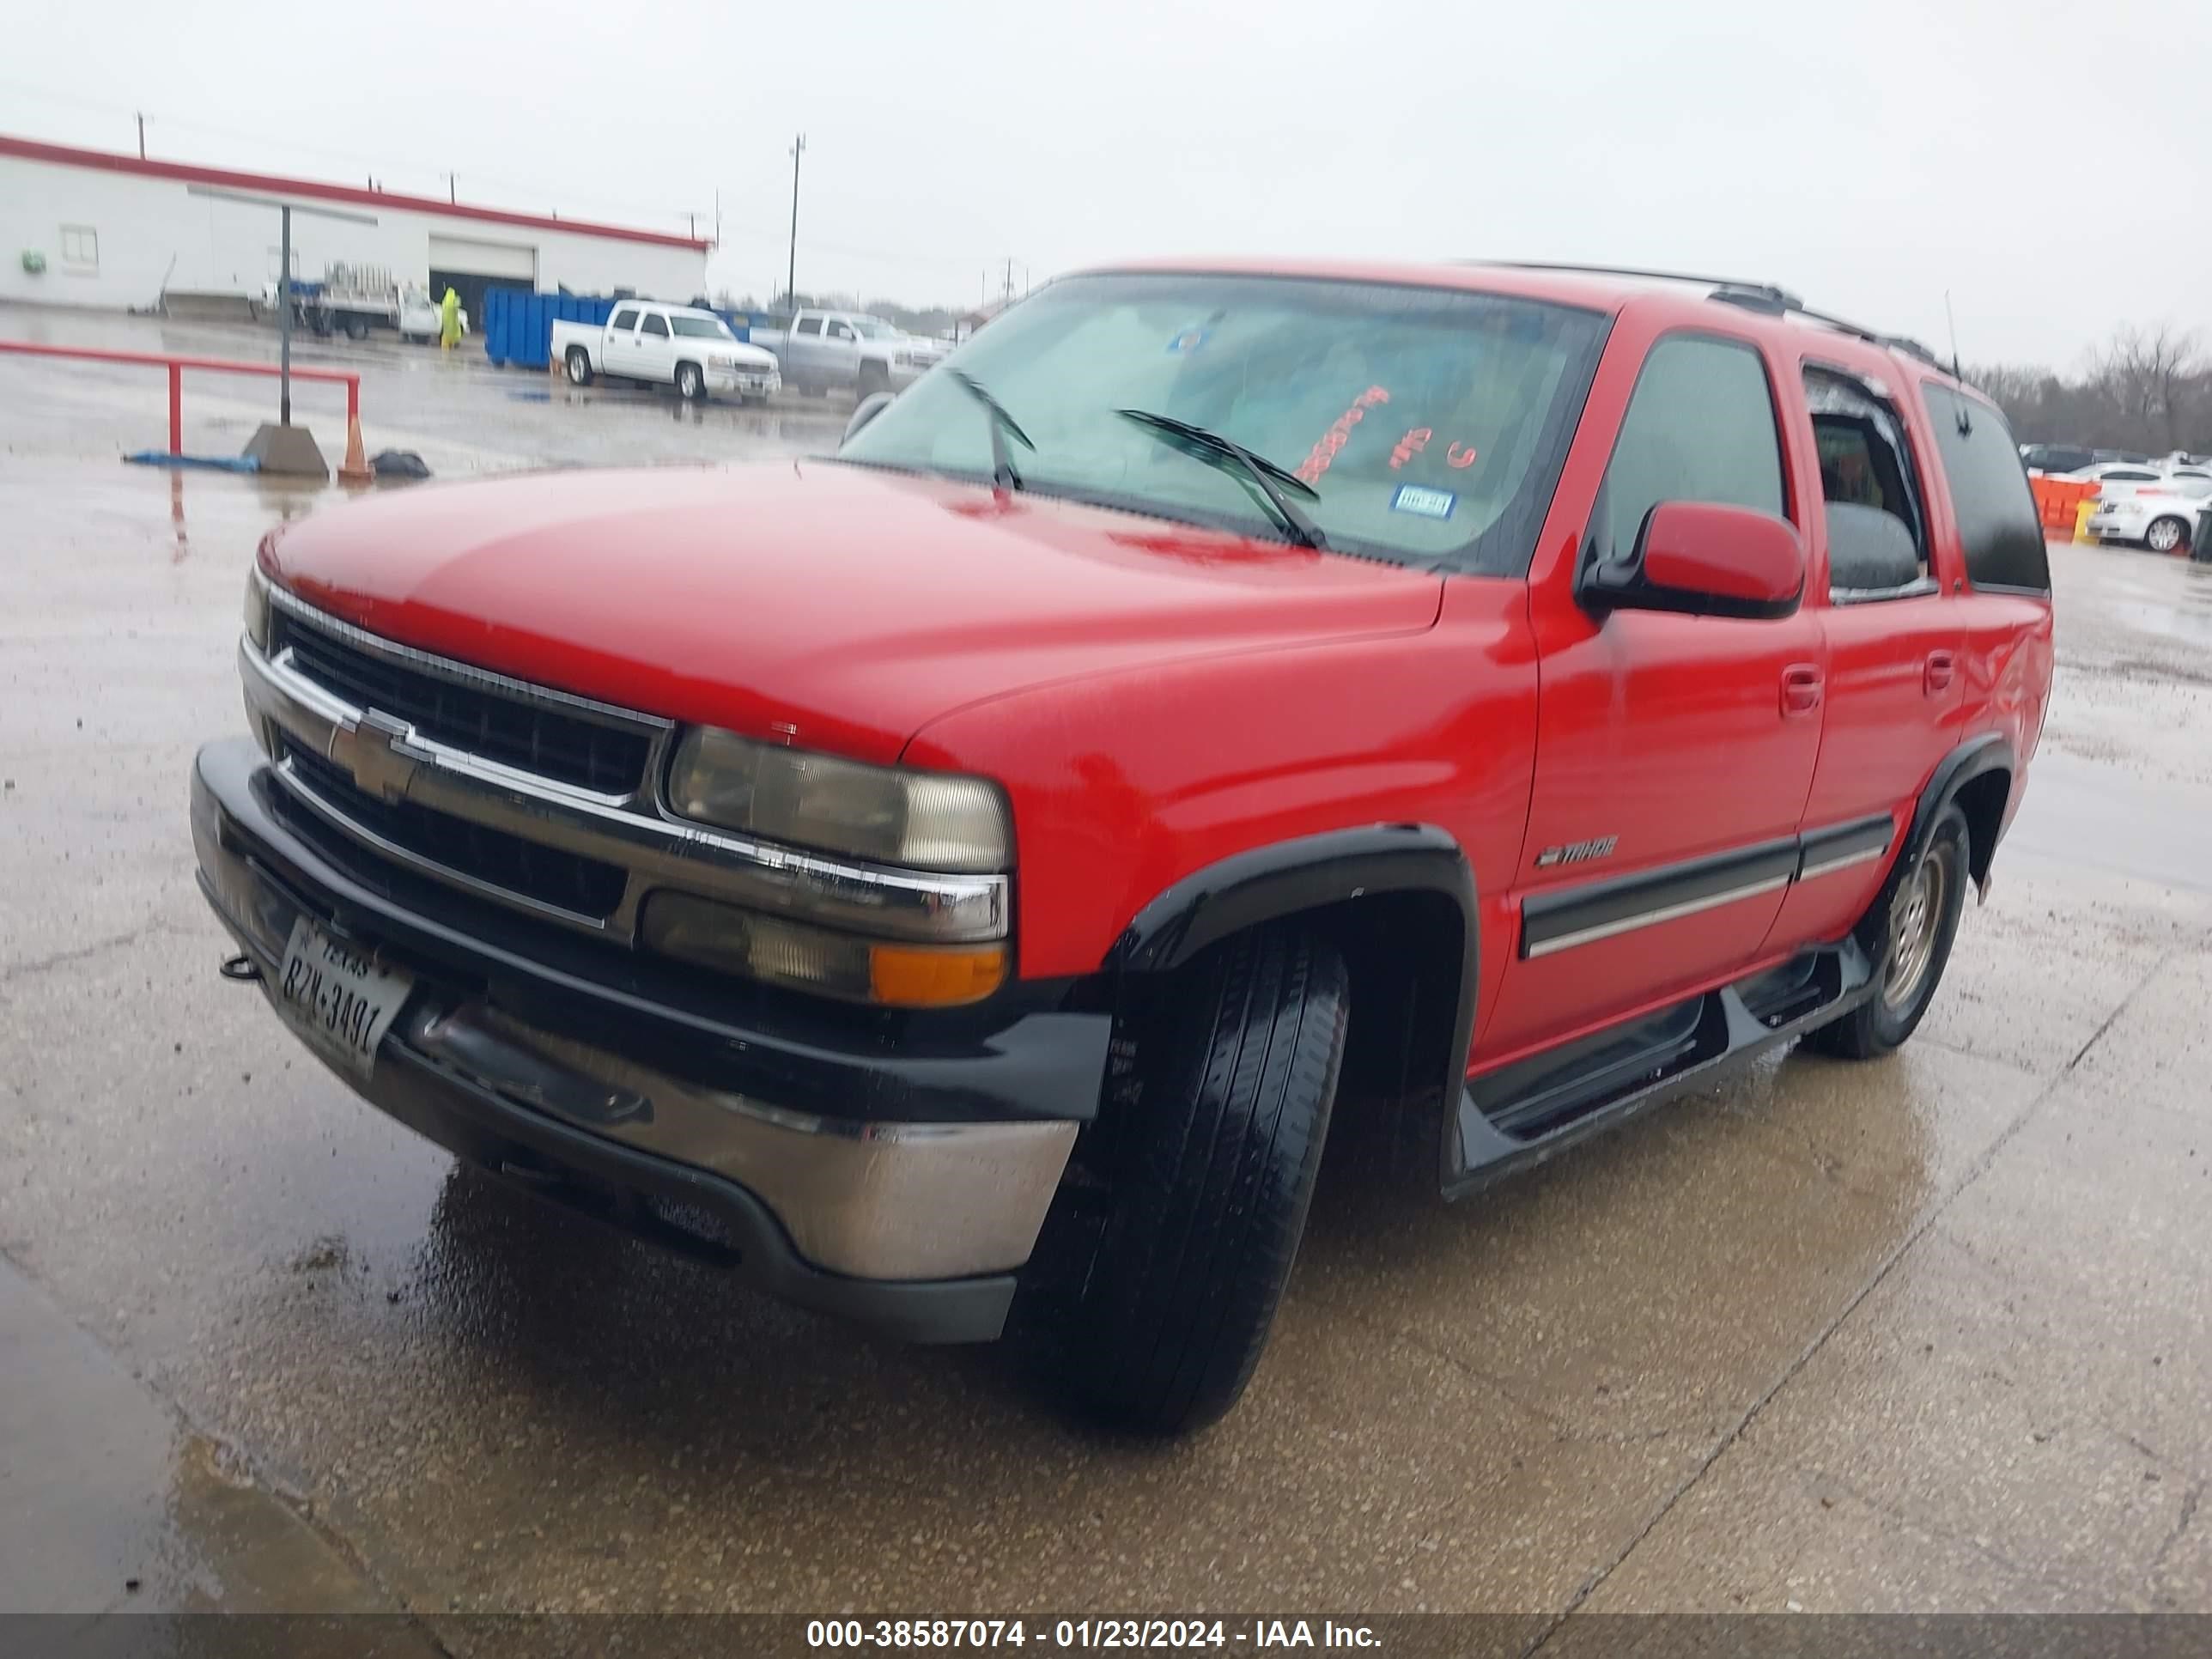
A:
(2164, 536)
(1916, 922)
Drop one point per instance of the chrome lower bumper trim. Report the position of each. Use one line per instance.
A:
(877, 1200)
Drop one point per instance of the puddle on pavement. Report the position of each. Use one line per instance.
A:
(2190, 623)
(109, 1505)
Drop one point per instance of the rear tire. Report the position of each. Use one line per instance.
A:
(1213, 1163)
(579, 366)
(2167, 535)
(1914, 941)
(356, 327)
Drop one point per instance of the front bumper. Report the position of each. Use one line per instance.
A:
(915, 1222)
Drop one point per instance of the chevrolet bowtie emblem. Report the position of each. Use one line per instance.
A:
(379, 762)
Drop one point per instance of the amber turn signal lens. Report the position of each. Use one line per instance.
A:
(905, 976)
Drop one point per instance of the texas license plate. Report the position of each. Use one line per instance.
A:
(337, 999)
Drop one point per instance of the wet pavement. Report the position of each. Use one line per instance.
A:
(1930, 1334)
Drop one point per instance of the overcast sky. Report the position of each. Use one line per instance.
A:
(1869, 156)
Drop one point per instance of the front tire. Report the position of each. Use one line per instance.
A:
(579, 366)
(2166, 535)
(1921, 922)
(1213, 1160)
(690, 383)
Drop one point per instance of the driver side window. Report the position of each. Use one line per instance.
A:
(1700, 426)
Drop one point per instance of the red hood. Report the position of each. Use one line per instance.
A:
(853, 606)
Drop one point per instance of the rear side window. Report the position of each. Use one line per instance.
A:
(808, 325)
(624, 318)
(1700, 426)
(1999, 529)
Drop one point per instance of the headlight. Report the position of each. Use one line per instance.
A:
(257, 610)
(925, 820)
(781, 952)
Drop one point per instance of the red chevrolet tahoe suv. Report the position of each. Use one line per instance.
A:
(955, 880)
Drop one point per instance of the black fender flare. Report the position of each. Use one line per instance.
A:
(1309, 873)
(1974, 758)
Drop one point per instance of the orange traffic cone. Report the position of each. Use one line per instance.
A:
(355, 468)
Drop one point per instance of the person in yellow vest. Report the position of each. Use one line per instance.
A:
(449, 321)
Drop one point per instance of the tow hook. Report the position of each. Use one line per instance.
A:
(242, 968)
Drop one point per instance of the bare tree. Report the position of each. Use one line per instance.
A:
(2148, 390)
(2147, 370)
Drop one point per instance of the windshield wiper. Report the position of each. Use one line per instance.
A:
(1003, 426)
(1213, 449)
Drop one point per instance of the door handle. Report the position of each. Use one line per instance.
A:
(1941, 666)
(1801, 689)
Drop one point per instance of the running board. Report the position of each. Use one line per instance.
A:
(1524, 1114)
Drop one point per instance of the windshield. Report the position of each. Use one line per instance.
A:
(1430, 423)
(875, 328)
(701, 328)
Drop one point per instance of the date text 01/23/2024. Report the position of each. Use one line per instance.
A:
(1087, 1633)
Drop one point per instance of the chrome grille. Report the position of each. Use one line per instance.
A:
(581, 886)
(568, 744)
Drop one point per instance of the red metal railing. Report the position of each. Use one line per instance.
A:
(176, 366)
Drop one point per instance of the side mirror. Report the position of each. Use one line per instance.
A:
(869, 406)
(1705, 560)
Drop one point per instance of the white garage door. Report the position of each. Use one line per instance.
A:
(502, 259)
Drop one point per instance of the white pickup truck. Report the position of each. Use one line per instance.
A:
(692, 350)
(851, 351)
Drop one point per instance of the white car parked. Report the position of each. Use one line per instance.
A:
(2159, 509)
(692, 350)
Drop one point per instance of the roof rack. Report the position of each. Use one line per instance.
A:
(1762, 294)
(1766, 298)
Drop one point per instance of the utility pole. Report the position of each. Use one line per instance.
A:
(1010, 279)
(791, 271)
(284, 320)
(452, 187)
(142, 136)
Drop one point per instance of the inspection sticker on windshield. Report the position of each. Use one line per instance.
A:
(1189, 340)
(337, 998)
(1426, 502)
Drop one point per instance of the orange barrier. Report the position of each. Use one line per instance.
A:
(2057, 500)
